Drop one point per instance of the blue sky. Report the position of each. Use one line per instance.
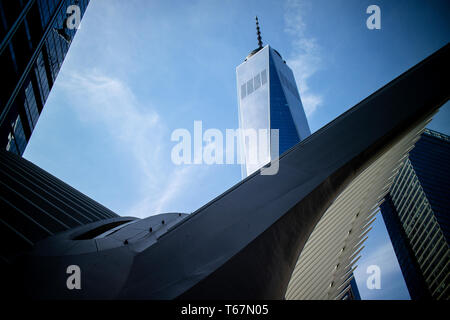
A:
(139, 69)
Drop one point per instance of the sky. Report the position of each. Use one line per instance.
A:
(139, 69)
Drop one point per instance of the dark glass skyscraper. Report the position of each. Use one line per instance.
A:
(417, 216)
(35, 37)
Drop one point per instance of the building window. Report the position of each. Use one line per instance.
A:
(17, 141)
(257, 81)
(253, 84)
(243, 91)
(263, 77)
(250, 86)
(31, 106)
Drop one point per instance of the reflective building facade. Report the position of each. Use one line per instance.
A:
(417, 216)
(268, 99)
(35, 37)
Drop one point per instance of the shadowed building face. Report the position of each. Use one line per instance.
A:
(416, 214)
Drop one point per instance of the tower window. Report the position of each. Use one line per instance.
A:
(243, 91)
(250, 86)
(257, 81)
(263, 77)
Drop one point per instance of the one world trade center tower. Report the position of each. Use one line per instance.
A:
(268, 99)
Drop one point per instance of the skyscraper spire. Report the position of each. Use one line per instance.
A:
(258, 32)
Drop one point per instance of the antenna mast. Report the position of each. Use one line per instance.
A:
(258, 32)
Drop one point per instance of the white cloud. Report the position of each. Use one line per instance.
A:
(305, 59)
(109, 101)
(138, 131)
(384, 257)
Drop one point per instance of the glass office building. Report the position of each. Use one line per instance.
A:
(35, 37)
(417, 216)
(268, 99)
